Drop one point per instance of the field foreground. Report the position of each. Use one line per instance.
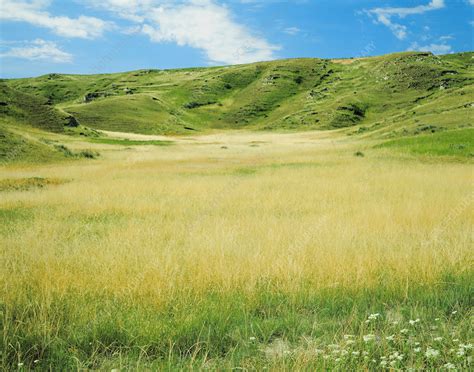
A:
(247, 250)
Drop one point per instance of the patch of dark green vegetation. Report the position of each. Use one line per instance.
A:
(88, 154)
(247, 171)
(348, 115)
(23, 184)
(127, 142)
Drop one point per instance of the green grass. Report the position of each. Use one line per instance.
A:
(16, 149)
(269, 328)
(127, 142)
(33, 111)
(458, 143)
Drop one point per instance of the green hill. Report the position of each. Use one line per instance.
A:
(23, 119)
(389, 95)
(385, 97)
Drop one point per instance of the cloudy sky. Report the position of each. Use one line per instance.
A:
(97, 36)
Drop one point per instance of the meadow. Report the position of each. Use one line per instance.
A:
(244, 250)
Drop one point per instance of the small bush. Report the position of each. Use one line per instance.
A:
(299, 80)
(359, 154)
(88, 154)
(66, 151)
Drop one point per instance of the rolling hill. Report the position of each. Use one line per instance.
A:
(385, 97)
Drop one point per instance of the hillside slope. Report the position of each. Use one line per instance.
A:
(387, 96)
(24, 120)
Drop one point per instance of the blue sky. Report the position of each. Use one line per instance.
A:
(98, 36)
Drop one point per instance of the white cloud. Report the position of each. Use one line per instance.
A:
(434, 48)
(39, 50)
(385, 15)
(292, 31)
(33, 13)
(446, 37)
(201, 24)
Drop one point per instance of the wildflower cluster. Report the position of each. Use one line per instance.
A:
(409, 345)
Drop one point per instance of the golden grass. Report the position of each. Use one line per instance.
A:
(149, 224)
(207, 222)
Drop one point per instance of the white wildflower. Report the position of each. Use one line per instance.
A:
(337, 360)
(396, 356)
(454, 312)
(431, 353)
(35, 361)
(383, 363)
(390, 338)
(438, 339)
(252, 338)
(466, 346)
(413, 322)
(350, 342)
(417, 349)
(356, 353)
(449, 366)
(374, 316)
(460, 352)
(404, 331)
(20, 364)
(347, 337)
(368, 338)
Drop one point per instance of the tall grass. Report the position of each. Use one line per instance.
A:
(180, 259)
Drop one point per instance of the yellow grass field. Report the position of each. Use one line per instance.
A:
(245, 250)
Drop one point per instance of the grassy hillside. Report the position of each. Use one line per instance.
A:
(32, 110)
(15, 148)
(388, 96)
